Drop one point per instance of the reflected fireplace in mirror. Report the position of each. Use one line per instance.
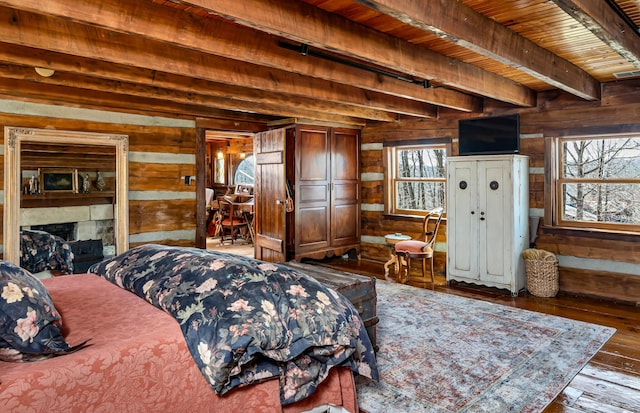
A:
(84, 210)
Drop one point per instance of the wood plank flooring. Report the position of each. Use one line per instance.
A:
(609, 383)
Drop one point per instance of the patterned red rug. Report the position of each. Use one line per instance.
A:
(443, 353)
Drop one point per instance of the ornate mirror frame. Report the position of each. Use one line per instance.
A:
(13, 138)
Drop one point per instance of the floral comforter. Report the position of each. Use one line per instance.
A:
(40, 251)
(246, 320)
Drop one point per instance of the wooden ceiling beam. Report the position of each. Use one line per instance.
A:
(283, 106)
(460, 24)
(20, 55)
(48, 33)
(232, 41)
(601, 20)
(36, 92)
(33, 92)
(307, 24)
(231, 125)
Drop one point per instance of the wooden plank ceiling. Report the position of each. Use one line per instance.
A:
(238, 65)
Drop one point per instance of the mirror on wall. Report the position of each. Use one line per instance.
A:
(65, 181)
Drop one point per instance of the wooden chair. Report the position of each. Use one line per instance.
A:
(420, 249)
(230, 221)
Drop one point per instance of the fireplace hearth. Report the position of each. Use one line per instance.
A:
(67, 231)
(85, 254)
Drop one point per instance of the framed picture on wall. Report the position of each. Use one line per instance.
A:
(64, 180)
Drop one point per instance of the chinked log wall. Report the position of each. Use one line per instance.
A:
(162, 209)
(588, 266)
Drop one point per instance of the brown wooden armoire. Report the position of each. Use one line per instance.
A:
(321, 167)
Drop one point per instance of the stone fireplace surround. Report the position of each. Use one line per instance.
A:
(88, 222)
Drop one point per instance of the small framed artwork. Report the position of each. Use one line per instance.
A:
(63, 180)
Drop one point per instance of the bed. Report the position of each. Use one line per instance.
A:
(137, 358)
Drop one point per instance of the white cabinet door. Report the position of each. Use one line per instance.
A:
(462, 206)
(494, 206)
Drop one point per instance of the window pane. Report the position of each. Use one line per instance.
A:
(421, 163)
(602, 158)
(419, 195)
(614, 203)
(244, 173)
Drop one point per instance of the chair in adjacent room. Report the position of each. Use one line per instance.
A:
(232, 221)
(420, 249)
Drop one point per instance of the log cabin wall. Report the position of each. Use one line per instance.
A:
(608, 268)
(162, 209)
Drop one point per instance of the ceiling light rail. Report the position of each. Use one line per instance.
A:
(304, 50)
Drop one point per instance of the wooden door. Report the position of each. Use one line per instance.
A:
(312, 185)
(270, 194)
(345, 188)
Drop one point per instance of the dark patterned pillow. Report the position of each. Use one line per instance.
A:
(30, 326)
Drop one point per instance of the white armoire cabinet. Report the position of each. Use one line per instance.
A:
(487, 220)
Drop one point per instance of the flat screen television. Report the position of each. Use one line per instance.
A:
(492, 135)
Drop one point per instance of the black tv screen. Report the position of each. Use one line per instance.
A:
(493, 135)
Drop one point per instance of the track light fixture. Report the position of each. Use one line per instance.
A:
(304, 50)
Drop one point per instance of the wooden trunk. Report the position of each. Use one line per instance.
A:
(358, 289)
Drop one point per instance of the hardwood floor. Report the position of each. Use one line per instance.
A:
(610, 382)
(240, 247)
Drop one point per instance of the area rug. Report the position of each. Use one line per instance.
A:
(443, 353)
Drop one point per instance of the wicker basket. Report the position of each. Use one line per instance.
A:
(541, 268)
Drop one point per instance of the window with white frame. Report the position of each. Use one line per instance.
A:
(597, 183)
(416, 177)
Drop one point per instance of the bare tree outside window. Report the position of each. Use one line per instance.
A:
(418, 178)
(600, 180)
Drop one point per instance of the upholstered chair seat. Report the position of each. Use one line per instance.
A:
(420, 249)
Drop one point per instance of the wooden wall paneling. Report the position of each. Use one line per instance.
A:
(152, 216)
(577, 246)
(165, 241)
(614, 286)
(370, 191)
(176, 218)
(166, 207)
(160, 177)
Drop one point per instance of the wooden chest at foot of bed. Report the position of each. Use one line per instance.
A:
(358, 289)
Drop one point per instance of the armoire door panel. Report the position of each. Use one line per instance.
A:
(346, 192)
(311, 227)
(313, 193)
(313, 155)
(344, 162)
(344, 217)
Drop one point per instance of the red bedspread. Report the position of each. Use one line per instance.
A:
(137, 362)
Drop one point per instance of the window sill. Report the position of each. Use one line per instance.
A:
(592, 233)
(405, 217)
(402, 217)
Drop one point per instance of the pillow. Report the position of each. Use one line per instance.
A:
(30, 326)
